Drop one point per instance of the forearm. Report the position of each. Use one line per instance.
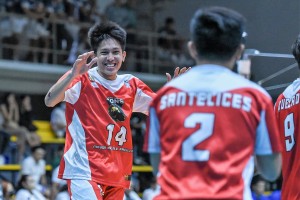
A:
(269, 166)
(155, 160)
(56, 93)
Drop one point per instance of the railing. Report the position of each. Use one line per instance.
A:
(142, 53)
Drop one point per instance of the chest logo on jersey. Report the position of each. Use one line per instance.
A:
(115, 109)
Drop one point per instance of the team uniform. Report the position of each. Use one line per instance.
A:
(98, 146)
(287, 113)
(207, 124)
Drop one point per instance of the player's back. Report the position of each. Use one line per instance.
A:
(210, 121)
(287, 113)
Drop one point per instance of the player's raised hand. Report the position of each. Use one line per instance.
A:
(81, 66)
(177, 72)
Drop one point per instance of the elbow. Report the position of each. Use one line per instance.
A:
(49, 103)
(270, 166)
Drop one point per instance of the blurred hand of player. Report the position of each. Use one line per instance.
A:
(177, 72)
(81, 66)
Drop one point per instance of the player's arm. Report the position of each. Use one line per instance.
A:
(155, 160)
(269, 166)
(56, 93)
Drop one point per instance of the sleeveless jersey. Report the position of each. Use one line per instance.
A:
(207, 124)
(287, 109)
(98, 137)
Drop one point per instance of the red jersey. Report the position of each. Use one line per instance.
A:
(207, 124)
(288, 117)
(98, 136)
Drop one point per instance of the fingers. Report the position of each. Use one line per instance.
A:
(176, 72)
(93, 61)
(169, 77)
(86, 55)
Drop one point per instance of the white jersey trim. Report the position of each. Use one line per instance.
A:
(247, 177)
(76, 158)
(154, 134)
(73, 93)
(141, 102)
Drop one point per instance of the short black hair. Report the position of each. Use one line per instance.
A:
(106, 30)
(217, 32)
(296, 50)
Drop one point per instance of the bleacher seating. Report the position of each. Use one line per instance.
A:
(45, 132)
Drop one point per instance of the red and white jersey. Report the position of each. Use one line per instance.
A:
(287, 110)
(207, 124)
(98, 137)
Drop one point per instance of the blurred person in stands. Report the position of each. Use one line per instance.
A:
(7, 189)
(9, 109)
(258, 188)
(58, 120)
(56, 10)
(12, 28)
(35, 31)
(57, 185)
(287, 114)
(26, 120)
(34, 165)
(220, 129)
(152, 191)
(26, 189)
(97, 161)
(4, 140)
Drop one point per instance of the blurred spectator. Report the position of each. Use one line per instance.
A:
(26, 120)
(36, 30)
(26, 189)
(4, 140)
(59, 186)
(12, 28)
(10, 112)
(58, 120)
(7, 190)
(258, 187)
(34, 166)
(122, 13)
(63, 193)
(63, 40)
(168, 32)
(152, 191)
(131, 193)
(138, 125)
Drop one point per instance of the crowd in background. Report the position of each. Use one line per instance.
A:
(55, 31)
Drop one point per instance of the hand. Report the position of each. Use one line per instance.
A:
(177, 72)
(81, 66)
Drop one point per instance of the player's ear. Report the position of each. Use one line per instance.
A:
(192, 49)
(239, 51)
(123, 56)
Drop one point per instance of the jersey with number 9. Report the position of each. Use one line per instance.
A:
(287, 109)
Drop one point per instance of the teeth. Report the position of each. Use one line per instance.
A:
(110, 65)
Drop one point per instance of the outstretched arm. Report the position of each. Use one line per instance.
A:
(177, 72)
(56, 93)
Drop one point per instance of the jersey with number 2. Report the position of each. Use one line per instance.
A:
(207, 124)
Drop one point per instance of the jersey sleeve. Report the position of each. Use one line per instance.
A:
(143, 97)
(267, 133)
(73, 91)
(152, 138)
